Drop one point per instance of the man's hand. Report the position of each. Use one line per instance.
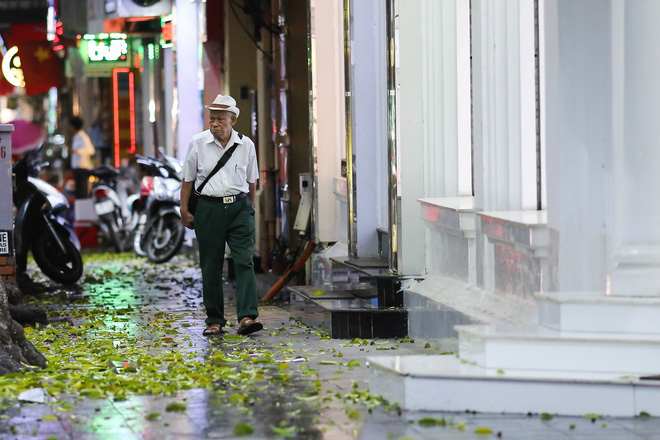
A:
(187, 219)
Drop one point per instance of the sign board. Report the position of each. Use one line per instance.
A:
(104, 52)
(6, 243)
(166, 30)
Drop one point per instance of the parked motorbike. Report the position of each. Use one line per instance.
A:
(148, 167)
(41, 224)
(117, 220)
(164, 233)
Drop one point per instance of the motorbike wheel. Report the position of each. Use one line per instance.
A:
(139, 243)
(162, 247)
(62, 267)
(114, 236)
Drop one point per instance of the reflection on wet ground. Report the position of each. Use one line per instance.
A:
(127, 361)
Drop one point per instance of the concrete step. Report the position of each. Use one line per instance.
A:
(347, 311)
(597, 312)
(389, 285)
(542, 349)
(445, 383)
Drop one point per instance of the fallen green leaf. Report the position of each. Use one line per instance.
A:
(483, 430)
(153, 416)
(94, 393)
(305, 398)
(284, 432)
(243, 429)
(175, 406)
(430, 421)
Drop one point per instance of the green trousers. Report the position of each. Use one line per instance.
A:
(217, 224)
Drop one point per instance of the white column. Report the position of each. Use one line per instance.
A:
(411, 137)
(504, 98)
(445, 74)
(578, 116)
(636, 150)
(435, 143)
(369, 120)
(188, 95)
(168, 101)
(327, 107)
(145, 88)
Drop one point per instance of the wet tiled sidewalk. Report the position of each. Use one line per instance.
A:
(288, 381)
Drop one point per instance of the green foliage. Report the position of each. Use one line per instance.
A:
(114, 343)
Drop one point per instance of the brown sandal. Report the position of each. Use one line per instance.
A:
(248, 326)
(212, 329)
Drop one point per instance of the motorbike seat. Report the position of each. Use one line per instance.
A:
(104, 172)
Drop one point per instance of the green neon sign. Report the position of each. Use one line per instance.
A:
(106, 47)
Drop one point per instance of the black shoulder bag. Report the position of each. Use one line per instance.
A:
(195, 193)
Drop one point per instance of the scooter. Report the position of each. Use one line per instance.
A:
(140, 206)
(117, 220)
(41, 224)
(164, 233)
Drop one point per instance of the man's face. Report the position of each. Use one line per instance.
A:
(220, 124)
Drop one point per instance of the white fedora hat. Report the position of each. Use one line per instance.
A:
(224, 102)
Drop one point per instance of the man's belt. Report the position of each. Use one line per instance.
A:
(226, 199)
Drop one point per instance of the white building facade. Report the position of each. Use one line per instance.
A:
(513, 143)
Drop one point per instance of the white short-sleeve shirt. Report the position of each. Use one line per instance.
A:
(203, 154)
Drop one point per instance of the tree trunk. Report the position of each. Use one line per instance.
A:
(15, 349)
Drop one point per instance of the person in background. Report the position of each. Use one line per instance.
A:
(82, 151)
(224, 214)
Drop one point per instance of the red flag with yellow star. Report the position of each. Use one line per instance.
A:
(42, 68)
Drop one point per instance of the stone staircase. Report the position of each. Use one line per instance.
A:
(590, 353)
(364, 301)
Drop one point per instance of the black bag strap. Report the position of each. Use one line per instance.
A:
(221, 163)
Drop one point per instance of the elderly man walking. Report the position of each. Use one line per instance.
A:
(224, 213)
